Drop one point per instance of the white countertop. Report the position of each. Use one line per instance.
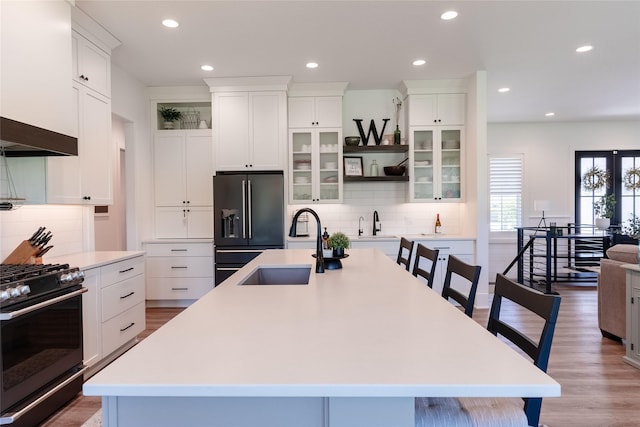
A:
(86, 260)
(632, 267)
(392, 237)
(368, 329)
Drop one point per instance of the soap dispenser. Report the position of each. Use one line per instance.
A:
(325, 239)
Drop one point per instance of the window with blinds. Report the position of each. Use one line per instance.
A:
(505, 192)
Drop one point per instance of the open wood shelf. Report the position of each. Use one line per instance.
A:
(375, 178)
(399, 148)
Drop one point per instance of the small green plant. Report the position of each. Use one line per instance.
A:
(605, 206)
(339, 240)
(170, 114)
(631, 227)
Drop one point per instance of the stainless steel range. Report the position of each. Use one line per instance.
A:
(40, 340)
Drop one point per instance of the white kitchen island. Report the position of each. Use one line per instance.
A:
(353, 347)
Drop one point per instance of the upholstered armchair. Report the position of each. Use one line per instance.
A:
(612, 288)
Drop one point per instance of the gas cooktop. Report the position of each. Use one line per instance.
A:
(21, 282)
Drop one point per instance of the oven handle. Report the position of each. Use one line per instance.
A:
(13, 416)
(18, 313)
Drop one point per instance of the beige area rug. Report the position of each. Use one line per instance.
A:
(95, 420)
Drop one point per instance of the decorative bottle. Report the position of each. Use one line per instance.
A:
(374, 168)
(438, 227)
(325, 239)
(396, 135)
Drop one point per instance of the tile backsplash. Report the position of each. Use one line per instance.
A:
(66, 224)
(397, 217)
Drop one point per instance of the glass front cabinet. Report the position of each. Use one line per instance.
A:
(315, 168)
(436, 163)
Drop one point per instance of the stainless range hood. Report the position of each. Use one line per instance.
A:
(24, 140)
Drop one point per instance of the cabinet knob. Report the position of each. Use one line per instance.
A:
(86, 198)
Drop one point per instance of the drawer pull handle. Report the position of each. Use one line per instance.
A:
(124, 271)
(124, 329)
(179, 266)
(179, 289)
(178, 250)
(127, 295)
(441, 247)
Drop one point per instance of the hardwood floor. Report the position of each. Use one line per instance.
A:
(598, 388)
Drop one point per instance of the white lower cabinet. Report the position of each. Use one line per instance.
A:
(113, 310)
(388, 246)
(179, 272)
(462, 249)
(91, 321)
(632, 353)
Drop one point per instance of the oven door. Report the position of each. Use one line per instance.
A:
(40, 343)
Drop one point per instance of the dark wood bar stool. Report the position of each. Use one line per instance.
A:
(439, 411)
(404, 252)
(457, 267)
(423, 252)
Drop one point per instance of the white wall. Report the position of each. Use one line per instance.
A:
(66, 224)
(129, 101)
(110, 227)
(549, 156)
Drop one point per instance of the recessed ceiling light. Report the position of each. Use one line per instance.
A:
(550, 114)
(206, 68)
(504, 89)
(170, 23)
(449, 15)
(419, 62)
(312, 65)
(583, 49)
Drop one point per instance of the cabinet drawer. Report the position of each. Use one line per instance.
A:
(180, 267)
(178, 289)
(121, 270)
(450, 246)
(179, 249)
(122, 296)
(123, 328)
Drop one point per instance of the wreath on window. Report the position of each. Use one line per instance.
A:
(594, 179)
(631, 179)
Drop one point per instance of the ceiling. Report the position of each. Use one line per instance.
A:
(528, 46)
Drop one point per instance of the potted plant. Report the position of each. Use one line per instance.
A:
(338, 242)
(604, 208)
(631, 227)
(169, 115)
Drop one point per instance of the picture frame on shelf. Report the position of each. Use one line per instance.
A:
(353, 166)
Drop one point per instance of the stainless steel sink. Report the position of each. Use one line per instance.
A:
(379, 236)
(279, 275)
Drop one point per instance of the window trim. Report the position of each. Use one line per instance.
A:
(520, 219)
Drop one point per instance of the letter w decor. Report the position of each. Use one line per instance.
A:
(372, 129)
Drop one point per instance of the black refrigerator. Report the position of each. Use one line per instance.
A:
(248, 212)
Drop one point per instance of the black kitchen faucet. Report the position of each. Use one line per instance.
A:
(376, 223)
(292, 233)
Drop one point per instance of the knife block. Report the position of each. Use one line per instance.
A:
(24, 253)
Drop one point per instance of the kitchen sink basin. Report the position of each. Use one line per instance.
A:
(379, 236)
(279, 275)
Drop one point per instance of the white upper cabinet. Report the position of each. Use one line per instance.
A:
(183, 165)
(87, 177)
(91, 66)
(437, 109)
(250, 130)
(315, 111)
